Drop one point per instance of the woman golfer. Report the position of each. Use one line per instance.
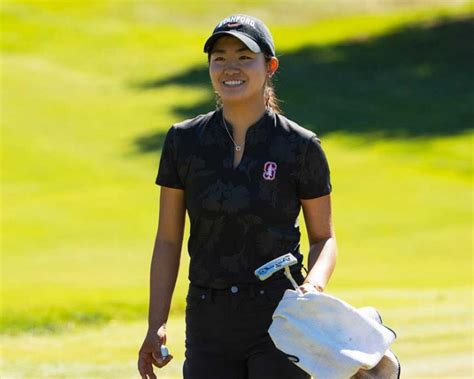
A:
(242, 172)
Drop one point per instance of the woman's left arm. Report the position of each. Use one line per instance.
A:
(322, 241)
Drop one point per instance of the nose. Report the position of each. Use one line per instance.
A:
(231, 68)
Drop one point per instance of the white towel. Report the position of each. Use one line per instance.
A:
(327, 337)
(389, 366)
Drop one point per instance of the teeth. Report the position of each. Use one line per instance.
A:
(233, 83)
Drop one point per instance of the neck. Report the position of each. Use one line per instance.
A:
(241, 116)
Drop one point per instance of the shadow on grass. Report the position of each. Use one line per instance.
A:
(414, 81)
(55, 320)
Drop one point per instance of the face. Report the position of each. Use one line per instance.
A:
(237, 73)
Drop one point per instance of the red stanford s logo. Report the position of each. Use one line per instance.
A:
(269, 170)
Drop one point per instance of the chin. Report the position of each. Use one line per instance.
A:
(236, 98)
(233, 99)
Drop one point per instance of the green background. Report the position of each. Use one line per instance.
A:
(88, 91)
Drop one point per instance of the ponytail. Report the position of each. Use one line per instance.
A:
(271, 100)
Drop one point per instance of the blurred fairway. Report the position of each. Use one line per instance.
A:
(88, 91)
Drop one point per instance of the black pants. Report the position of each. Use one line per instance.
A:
(226, 333)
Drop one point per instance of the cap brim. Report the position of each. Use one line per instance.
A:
(249, 42)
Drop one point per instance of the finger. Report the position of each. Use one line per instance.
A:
(149, 375)
(155, 358)
(166, 360)
(162, 336)
(142, 367)
(306, 287)
(162, 362)
(145, 367)
(302, 289)
(146, 371)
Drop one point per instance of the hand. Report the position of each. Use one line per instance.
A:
(150, 353)
(308, 287)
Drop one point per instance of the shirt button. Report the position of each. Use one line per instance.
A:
(203, 296)
(262, 292)
(234, 289)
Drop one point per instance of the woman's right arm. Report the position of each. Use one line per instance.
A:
(163, 274)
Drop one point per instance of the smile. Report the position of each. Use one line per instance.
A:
(233, 83)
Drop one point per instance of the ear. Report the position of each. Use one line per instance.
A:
(272, 66)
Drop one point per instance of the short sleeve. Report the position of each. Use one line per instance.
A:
(313, 175)
(168, 169)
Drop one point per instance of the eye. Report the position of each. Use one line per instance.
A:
(218, 59)
(244, 57)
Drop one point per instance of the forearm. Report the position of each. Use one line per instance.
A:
(163, 274)
(321, 262)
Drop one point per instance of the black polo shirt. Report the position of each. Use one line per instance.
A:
(245, 216)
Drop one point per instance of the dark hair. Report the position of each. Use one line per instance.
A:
(271, 99)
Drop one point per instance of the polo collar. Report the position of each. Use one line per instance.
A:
(256, 132)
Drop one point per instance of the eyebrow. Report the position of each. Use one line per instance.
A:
(223, 51)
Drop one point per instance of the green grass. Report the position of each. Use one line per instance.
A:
(432, 325)
(88, 91)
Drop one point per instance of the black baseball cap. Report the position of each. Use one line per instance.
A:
(250, 30)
